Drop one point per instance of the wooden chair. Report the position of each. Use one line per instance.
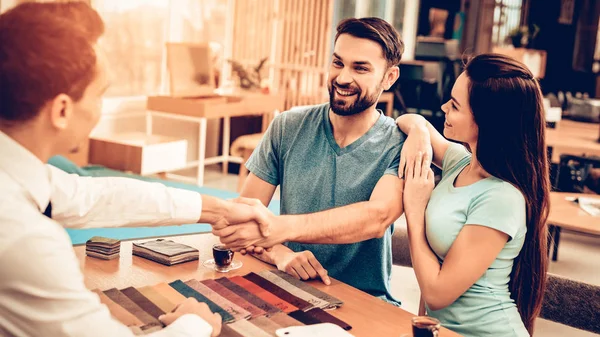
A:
(243, 146)
(400, 248)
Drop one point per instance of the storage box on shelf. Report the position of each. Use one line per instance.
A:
(138, 152)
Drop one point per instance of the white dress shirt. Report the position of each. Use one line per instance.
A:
(42, 291)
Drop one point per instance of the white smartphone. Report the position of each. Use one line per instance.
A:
(314, 330)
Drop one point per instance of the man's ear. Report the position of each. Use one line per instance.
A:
(391, 76)
(61, 110)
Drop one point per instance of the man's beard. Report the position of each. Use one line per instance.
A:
(360, 104)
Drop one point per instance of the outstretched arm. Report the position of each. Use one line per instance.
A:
(348, 224)
(86, 202)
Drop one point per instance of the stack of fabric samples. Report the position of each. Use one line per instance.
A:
(165, 252)
(254, 305)
(103, 248)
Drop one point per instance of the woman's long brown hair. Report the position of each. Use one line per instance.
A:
(507, 106)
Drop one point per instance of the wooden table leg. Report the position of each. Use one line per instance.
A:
(148, 123)
(226, 145)
(550, 238)
(201, 151)
(243, 170)
(557, 230)
(267, 118)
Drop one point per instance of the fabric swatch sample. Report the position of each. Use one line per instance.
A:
(162, 302)
(279, 292)
(166, 252)
(248, 296)
(264, 294)
(235, 310)
(285, 320)
(124, 301)
(169, 293)
(186, 291)
(103, 248)
(316, 316)
(292, 289)
(304, 317)
(100, 241)
(143, 302)
(118, 312)
(326, 317)
(247, 329)
(308, 288)
(227, 331)
(102, 256)
(266, 324)
(137, 331)
(235, 298)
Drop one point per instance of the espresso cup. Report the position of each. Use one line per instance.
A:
(223, 256)
(425, 326)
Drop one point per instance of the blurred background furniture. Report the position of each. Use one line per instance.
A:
(199, 110)
(566, 214)
(573, 303)
(535, 60)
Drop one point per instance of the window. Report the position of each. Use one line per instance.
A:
(507, 16)
(133, 42)
(390, 10)
(136, 33)
(596, 62)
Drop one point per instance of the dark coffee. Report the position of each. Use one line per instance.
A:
(425, 327)
(223, 256)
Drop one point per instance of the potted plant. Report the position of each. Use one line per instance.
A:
(523, 36)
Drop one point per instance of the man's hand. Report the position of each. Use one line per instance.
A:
(263, 216)
(302, 265)
(418, 141)
(241, 236)
(246, 237)
(192, 306)
(221, 214)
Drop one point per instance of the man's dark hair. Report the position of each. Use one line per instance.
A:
(46, 49)
(378, 30)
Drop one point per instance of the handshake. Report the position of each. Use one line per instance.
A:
(246, 225)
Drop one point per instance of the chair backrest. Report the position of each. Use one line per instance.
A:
(400, 247)
(572, 303)
(573, 171)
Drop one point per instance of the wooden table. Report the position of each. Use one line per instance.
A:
(199, 110)
(565, 214)
(571, 137)
(369, 316)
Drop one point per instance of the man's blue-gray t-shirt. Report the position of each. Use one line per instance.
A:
(300, 153)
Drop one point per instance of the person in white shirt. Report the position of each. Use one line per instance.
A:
(52, 77)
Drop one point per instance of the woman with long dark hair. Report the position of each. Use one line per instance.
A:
(478, 240)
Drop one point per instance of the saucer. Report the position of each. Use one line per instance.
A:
(210, 264)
